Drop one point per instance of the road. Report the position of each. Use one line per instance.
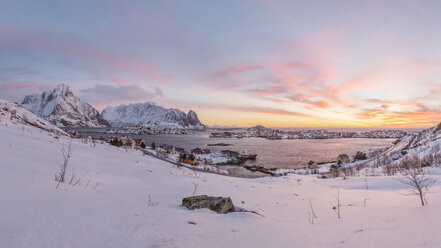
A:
(396, 148)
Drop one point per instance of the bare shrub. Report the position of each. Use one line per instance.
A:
(312, 215)
(66, 151)
(150, 202)
(97, 184)
(366, 198)
(336, 207)
(415, 177)
(389, 170)
(87, 184)
(73, 181)
(195, 185)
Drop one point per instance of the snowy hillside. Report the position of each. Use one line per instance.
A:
(14, 114)
(120, 198)
(62, 108)
(427, 145)
(151, 115)
(427, 135)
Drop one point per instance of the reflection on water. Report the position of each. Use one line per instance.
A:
(270, 153)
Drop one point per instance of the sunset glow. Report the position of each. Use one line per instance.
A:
(275, 63)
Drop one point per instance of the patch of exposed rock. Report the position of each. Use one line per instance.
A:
(220, 205)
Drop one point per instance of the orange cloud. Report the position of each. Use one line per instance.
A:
(383, 117)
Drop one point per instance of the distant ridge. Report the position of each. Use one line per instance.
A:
(151, 115)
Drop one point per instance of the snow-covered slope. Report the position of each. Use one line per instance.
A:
(124, 199)
(14, 114)
(427, 146)
(62, 108)
(427, 135)
(152, 115)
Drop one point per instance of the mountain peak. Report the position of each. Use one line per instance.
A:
(63, 90)
(63, 108)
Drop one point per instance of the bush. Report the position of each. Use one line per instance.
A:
(116, 142)
(360, 156)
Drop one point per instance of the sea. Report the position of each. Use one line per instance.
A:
(284, 153)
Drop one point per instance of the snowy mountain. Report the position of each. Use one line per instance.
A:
(152, 115)
(62, 108)
(15, 114)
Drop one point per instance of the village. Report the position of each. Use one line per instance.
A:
(196, 158)
(141, 130)
(272, 134)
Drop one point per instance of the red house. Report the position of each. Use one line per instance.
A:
(196, 151)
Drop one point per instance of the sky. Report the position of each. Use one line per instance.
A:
(271, 62)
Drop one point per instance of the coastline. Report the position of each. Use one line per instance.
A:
(231, 173)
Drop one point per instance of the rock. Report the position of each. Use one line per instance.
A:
(221, 205)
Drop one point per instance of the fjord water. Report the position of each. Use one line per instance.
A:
(293, 153)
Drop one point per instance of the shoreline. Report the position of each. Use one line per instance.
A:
(250, 176)
(247, 170)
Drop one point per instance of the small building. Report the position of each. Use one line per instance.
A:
(129, 143)
(188, 158)
(206, 151)
(334, 167)
(138, 142)
(196, 150)
(312, 165)
(228, 134)
(179, 150)
(343, 158)
(170, 149)
(208, 161)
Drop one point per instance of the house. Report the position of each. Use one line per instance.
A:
(343, 158)
(179, 150)
(208, 161)
(129, 143)
(138, 142)
(196, 150)
(312, 165)
(206, 151)
(228, 134)
(170, 149)
(188, 158)
(216, 135)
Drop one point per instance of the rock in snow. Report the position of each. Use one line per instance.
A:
(62, 108)
(220, 205)
(151, 115)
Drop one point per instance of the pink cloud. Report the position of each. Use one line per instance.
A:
(23, 39)
(20, 85)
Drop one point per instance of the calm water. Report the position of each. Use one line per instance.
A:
(271, 153)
